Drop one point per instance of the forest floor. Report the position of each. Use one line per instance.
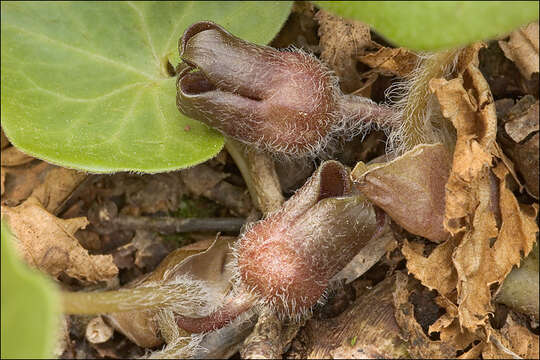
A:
(420, 298)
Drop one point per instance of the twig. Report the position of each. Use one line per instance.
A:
(106, 219)
(263, 342)
(169, 225)
(269, 337)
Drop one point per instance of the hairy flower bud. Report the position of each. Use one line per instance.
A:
(289, 258)
(281, 101)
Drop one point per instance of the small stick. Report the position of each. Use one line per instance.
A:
(170, 225)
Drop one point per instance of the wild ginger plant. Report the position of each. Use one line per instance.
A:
(283, 102)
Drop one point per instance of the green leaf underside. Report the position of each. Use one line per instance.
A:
(436, 25)
(30, 307)
(85, 84)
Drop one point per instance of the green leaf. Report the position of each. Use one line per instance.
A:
(435, 25)
(30, 307)
(85, 84)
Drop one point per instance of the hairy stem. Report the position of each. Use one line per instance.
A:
(414, 110)
(155, 296)
(219, 318)
(259, 173)
(361, 110)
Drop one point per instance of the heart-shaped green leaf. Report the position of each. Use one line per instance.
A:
(86, 84)
(435, 25)
(30, 307)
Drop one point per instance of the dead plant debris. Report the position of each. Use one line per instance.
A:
(464, 215)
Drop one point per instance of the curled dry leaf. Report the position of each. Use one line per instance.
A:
(47, 243)
(522, 49)
(468, 103)
(448, 326)
(391, 61)
(409, 189)
(478, 262)
(496, 228)
(341, 40)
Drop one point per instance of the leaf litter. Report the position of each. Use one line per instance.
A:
(48, 242)
(468, 228)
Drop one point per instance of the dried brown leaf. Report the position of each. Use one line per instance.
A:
(5, 140)
(391, 61)
(468, 103)
(522, 126)
(509, 165)
(496, 229)
(473, 353)
(409, 189)
(2, 180)
(206, 181)
(468, 56)
(341, 40)
(522, 49)
(420, 345)
(480, 264)
(47, 243)
(526, 159)
(448, 326)
(149, 194)
(22, 180)
(520, 141)
(11, 156)
(97, 331)
(57, 187)
(437, 270)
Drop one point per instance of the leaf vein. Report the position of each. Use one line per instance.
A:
(145, 30)
(87, 53)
